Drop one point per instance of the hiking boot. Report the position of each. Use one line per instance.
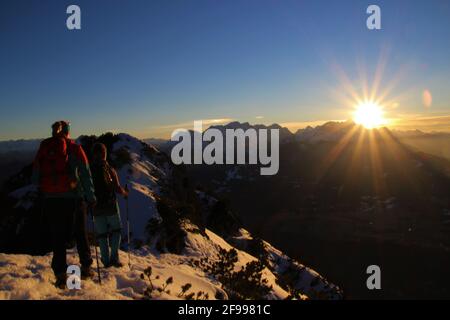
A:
(86, 273)
(61, 281)
(116, 264)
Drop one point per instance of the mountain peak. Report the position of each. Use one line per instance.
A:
(333, 131)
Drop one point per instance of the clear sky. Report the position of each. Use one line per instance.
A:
(147, 67)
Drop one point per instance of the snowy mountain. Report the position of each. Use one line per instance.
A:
(30, 277)
(435, 143)
(329, 131)
(285, 134)
(185, 235)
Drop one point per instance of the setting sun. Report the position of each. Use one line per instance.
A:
(369, 115)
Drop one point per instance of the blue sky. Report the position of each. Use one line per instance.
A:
(147, 67)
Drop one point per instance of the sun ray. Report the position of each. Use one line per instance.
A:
(373, 107)
(379, 185)
(363, 79)
(334, 153)
(399, 155)
(389, 87)
(380, 91)
(356, 157)
(348, 88)
(382, 61)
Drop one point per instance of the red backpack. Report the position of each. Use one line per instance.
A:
(55, 169)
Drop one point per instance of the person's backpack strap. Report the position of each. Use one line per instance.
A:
(70, 158)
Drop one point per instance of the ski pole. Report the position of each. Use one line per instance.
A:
(128, 226)
(96, 252)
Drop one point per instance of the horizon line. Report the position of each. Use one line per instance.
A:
(283, 125)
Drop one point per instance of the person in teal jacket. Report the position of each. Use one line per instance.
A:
(108, 226)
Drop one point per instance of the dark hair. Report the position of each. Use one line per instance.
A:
(56, 128)
(60, 127)
(65, 127)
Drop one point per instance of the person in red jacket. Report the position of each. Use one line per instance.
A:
(61, 172)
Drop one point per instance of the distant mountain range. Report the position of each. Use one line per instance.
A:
(19, 145)
(15, 153)
(329, 131)
(435, 143)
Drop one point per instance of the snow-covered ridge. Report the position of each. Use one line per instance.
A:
(143, 178)
(330, 131)
(30, 277)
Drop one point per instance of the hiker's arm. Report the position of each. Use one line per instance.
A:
(85, 176)
(117, 187)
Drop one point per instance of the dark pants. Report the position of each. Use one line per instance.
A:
(67, 218)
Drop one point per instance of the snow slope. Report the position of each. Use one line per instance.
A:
(143, 179)
(30, 277)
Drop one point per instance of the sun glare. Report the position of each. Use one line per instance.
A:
(369, 115)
